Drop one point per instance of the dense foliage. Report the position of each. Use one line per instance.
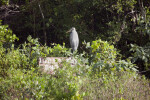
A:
(121, 22)
(116, 48)
(99, 73)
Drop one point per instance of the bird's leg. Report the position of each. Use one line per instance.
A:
(74, 53)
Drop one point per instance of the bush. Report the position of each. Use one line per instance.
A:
(98, 69)
(118, 86)
(22, 84)
(141, 53)
(103, 57)
(70, 84)
(6, 35)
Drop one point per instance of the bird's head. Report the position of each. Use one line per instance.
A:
(73, 28)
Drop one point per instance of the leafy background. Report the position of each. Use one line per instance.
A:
(113, 55)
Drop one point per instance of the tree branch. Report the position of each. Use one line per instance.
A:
(44, 29)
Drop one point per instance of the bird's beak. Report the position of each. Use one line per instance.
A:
(68, 31)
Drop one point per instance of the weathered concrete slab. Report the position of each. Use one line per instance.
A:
(49, 64)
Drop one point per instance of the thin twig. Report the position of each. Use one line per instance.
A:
(144, 71)
(44, 29)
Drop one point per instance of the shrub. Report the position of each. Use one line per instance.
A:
(95, 72)
(69, 83)
(103, 57)
(6, 35)
(141, 53)
(118, 86)
(22, 84)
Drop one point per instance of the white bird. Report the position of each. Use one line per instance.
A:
(74, 39)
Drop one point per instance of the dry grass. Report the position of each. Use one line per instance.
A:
(126, 87)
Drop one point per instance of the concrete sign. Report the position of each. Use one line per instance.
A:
(49, 64)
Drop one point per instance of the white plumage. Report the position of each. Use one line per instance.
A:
(74, 39)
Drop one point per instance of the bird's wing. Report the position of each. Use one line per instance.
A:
(74, 41)
(77, 42)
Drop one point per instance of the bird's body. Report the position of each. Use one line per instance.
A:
(74, 40)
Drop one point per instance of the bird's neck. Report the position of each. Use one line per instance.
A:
(74, 31)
